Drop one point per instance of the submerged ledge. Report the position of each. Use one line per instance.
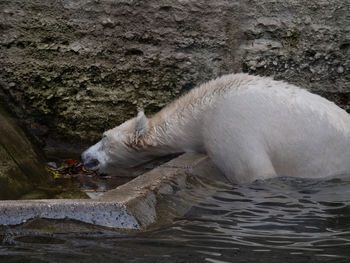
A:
(144, 201)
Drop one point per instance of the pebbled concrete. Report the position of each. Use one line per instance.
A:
(111, 214)
(147, 201)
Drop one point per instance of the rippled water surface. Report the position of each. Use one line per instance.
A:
(279, 220)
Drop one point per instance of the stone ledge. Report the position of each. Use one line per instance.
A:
(135, 205)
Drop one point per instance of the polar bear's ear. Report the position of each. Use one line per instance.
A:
(141, 125)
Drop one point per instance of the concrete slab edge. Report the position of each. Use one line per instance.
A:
(132, 206)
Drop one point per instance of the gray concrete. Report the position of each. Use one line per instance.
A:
(144, 202)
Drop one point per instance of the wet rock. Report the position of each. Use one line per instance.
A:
(81, 67)
(21, 167)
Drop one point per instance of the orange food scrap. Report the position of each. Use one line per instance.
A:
(71, 162)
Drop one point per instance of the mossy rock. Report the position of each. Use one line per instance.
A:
(73, 69)
(54, 193)
(21, 166)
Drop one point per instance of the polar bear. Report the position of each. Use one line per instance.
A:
(251, 127)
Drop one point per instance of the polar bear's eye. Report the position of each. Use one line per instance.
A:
(104, 135)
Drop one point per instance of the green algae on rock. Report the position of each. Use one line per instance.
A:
(21, 166)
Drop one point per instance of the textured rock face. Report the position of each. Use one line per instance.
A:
(80, 67)
(303, 42)
(21, 166)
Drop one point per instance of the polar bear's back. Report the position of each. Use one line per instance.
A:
(270, 127)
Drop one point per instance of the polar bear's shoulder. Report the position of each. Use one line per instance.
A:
(289, 95)
(270, 90)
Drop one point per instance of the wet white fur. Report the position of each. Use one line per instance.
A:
(251, 127)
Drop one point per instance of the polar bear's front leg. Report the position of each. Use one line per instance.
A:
(241, 162)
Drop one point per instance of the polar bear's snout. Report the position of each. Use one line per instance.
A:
(89, 161)
(90, 158)
(90, 164)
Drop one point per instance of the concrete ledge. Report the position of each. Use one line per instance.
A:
(145, 201)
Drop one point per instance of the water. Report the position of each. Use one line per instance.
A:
(279, 220)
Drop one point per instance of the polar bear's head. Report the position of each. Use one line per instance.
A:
(121, 147)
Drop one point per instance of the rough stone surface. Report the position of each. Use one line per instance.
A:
(147, 201)
(21, 166)
(80, 67)
(304, 42)
(100, 213)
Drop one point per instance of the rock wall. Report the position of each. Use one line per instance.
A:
(76, 68)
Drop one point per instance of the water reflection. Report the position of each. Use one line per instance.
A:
(284, 219)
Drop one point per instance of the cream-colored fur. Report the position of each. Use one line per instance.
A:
(252, 128)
